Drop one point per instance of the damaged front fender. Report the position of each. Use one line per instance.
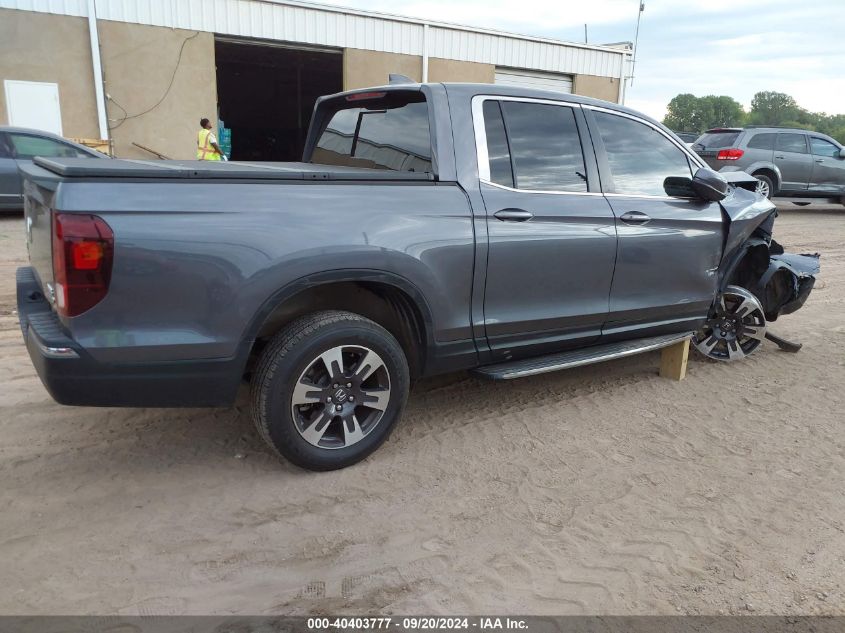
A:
(746, 213)
(787, 283)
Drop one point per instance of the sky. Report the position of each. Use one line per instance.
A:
(723, 47)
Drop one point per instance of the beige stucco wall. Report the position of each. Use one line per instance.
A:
(606, 88)
(55, 49)
(453, 70)
(362, 69)
(138, 63)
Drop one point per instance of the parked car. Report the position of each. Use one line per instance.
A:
(688, 137)
(785, 161)
(18, 146)
(430, 228)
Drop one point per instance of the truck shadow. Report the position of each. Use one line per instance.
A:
(131, 441)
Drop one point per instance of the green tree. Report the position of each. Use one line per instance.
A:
(682, 113)
(722, 111)
(688, 113)
(776, 108)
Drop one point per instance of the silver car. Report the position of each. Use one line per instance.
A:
(18, 146)
(785, 161)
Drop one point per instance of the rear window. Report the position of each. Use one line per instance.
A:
(390, 132)
(765, 140)
(716, 140)
(795, 143)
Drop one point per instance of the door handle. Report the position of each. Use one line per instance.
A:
(781, 157)
(513, 215)
(635, 217)
(820, 160)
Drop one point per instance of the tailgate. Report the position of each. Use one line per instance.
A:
(709, 157)
(712, 141)
(39, 229)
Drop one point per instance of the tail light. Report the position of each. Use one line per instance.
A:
(83, 250)
(363, 96)
(729, 154)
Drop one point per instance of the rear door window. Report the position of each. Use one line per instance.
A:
(388, 132)
(640, 158)
(796, 143)
(764, 140)
(822, 147)
(545, 147)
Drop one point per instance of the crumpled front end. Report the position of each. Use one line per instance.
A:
(787, 282)
(754, 260)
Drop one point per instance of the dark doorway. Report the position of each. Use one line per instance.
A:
(266, 94)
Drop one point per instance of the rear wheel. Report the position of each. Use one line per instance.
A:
(765, 185)
(735, 328)
(329, 389)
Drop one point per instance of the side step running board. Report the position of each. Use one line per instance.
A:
(576, 358)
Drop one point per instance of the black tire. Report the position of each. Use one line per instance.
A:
(290, 353)
(769, 183)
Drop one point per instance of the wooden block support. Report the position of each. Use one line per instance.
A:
(673, 360)
(100, 145)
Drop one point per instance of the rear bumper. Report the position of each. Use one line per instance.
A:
(73, 377)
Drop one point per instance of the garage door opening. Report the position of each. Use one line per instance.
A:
(533, 79)
(266, 94)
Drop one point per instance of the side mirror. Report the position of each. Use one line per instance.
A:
(709, 185)
(842, 153)
(679, 187)
(706, 185)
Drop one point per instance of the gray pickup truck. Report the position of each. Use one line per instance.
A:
(430, 228)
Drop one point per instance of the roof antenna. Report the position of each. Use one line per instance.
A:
(393, 78)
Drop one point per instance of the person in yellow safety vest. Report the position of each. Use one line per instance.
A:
(207, 147)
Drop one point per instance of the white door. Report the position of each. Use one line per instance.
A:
(533, 79)
(34, 104)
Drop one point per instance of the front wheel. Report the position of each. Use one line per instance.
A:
(735, 328)
(329, 389)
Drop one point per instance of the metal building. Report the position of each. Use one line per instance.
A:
(143, 72)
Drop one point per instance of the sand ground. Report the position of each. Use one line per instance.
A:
(598, 490)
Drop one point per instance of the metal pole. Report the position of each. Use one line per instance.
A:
(98, 70)
(622, 88)
(636, 41)
(425, 53)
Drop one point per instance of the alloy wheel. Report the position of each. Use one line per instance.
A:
(341, 396)
(735, 328)
(763, 188)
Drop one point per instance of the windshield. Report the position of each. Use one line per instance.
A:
(390, 132)
(715, 140)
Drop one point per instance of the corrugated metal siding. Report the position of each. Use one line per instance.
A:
(338, 28)
(62, 7)
(528, 79)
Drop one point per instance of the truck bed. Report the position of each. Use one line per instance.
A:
(231, 170)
